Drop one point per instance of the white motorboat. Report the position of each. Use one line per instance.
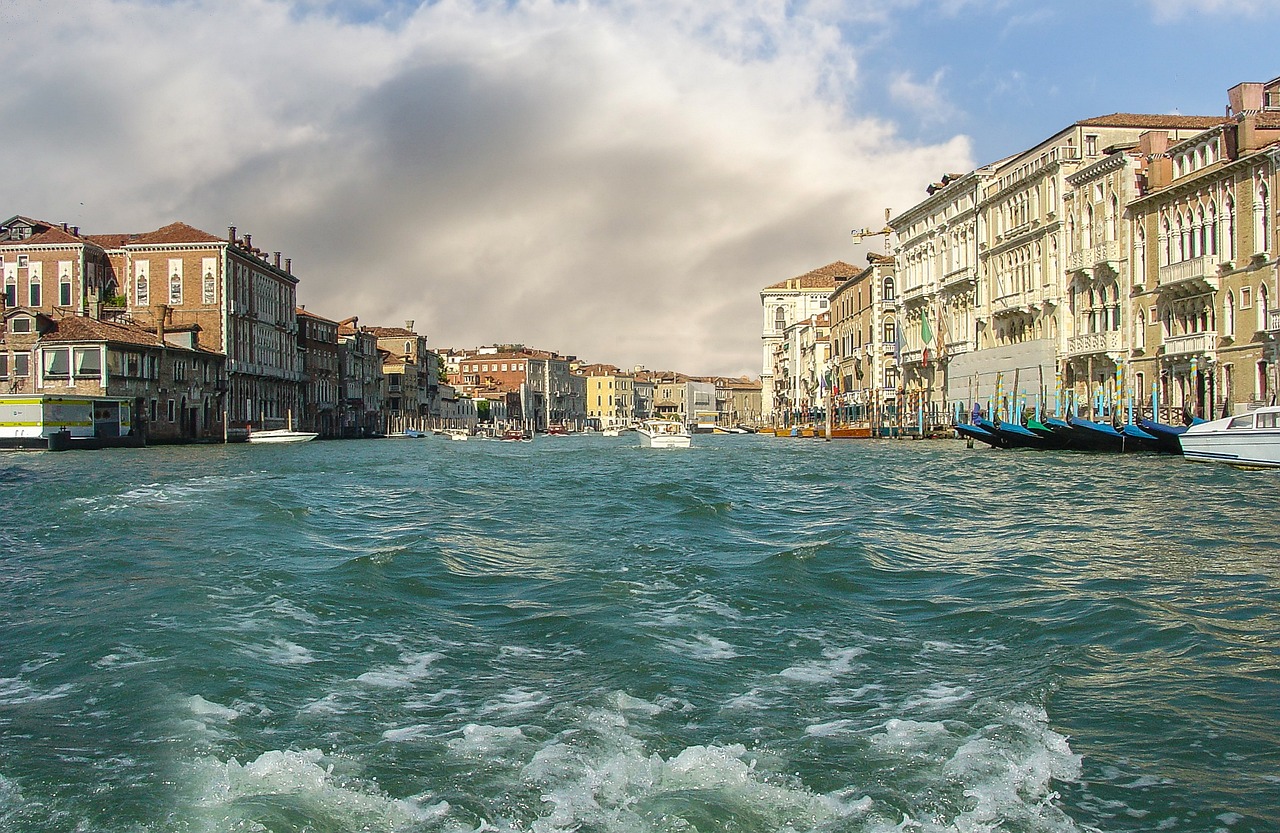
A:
(610, 432)
(457, 433)
(1249, 440)
(282, 435)
(664, 433)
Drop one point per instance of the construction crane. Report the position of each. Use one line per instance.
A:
(861, 234)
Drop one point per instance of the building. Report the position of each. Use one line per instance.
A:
(320, 396)
(360, 379)
(610, 396)
(783, 304)
(541, 390)
(865, 346)
(1205, 251)
(737, 402)
(410, 378)
(49, 267)
(175, 385)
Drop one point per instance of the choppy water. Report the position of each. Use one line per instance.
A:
(749, 636)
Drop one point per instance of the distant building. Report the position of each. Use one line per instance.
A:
(783, 304)
(865, 345)
(361, 380)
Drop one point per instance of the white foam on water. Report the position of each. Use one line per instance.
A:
(911, 738)
(281, 652)
(283, 789)
(330, 704)
(515, 701)
(831, 728)
(10, 798)
(15, 691)
(124, 657)
(625, 703)
(408, 733)
(411, 668)
(753, 700)
(937, 696)
(837, 663)
(203, 708)
(701, 647)
(478, 741)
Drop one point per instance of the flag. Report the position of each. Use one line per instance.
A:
(897, 345)
(941, 350)
(926, 334)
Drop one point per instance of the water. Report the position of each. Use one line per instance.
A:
(578, 634)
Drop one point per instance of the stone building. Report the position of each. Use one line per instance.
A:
(321, 375)
(865, 345)
(783, 304)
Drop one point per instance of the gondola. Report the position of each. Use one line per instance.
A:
(973, 432)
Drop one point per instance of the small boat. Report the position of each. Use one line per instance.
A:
(974, 432)
(611, 432)
(515, 435)
(1167, 436)
(457, 433)
(282, 435)
(1249, 440)
(1095, 436)
(1014, 435)
(664, 433)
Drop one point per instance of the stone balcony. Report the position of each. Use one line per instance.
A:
(1090, 343)
(1273, 320)
(911, 293)
(959, 277)
(1191, 344)
(1084, 260)
(1190, 277)
(912, 356)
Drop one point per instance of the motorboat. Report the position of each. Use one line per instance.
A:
(282, 435)
(611, 432)
(457, 433)
(664, 433)
(1249, 440)
(515, 435)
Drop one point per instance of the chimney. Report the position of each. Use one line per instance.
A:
(277, 254)
(231, 234)
(75, 230)
(160, 313)
(408, 325)
(288, 265)
(64, 226)
(248, 242)
(1245, 98)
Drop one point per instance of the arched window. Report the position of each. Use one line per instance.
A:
(1197, 234)
(1229, 227)
(1166, 248)
(1262, 218)
(888, 289)
(780, 319)
(1113, 219)
(1211, 227)
(1263, 308)
(1140, 255)
(1086, 229)
(1228, 314)
(1140, 331)
(890, 332)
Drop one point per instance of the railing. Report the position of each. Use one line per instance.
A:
(910, 293)
(1086, 343)
(1107, 251)
(1203, 268)
(912, 356)
(965, 274)
(960, 345)
(1190, 343)
(1273, 320)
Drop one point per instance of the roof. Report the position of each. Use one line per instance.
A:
(302, 312)
(173, 233)
(45, 233)
(82, 328)
(821, 278)
(1153, 121)
(391, 332)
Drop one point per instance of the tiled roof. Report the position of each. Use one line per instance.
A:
(80, 328)
(1153, 121)
(52, 234)
(173, 233)
(109, 241)
(819, 278)
(391, 332)
(303, 313)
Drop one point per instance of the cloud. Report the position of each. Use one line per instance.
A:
(1173, 10)
(925, 98)
(615, 181)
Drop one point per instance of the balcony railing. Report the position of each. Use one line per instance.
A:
(1088, 343)
(1186, 345)
(958, 346)
(1188, 273)
(1107, 251)
(912, 356)
(1273, 320)
(958, 277)
(910, 293)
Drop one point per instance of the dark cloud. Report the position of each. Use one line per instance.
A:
(616, 186)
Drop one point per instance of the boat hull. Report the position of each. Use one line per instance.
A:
(284, 435)
(1245, 441)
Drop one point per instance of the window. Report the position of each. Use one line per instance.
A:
(1091, 145)
(23, 260)
(209, 286)
(20, 324)
(175, 288)
(141, 289)
(64, 291)
(21, 365)
(888, 289)
(34, 292)
(889, 332)
(88, 362)
(780, 319)
(180, 371)
(4, 365)
(1244, 421)
(1246, 297)
(57, 362)
(171, 410)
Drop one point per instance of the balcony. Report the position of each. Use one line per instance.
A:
(957, 278)
(1107, 252)
(1273, 320)
(1191, 344)
(911, 293)
(912, 356)
(1090, 343)
(958, 346)
(1190, 277)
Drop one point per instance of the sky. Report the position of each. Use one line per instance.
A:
(613, 180)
